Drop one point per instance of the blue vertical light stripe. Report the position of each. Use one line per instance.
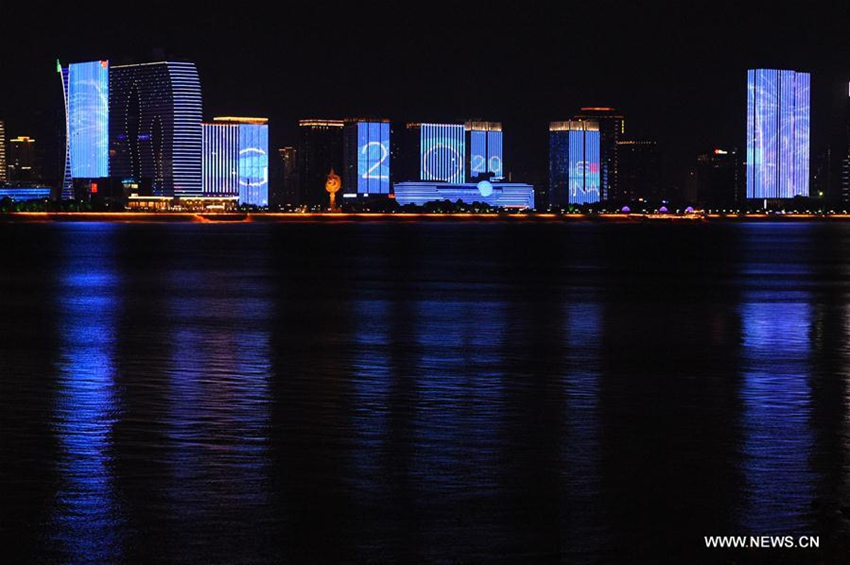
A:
(593, 165)
(801, 141)
(495, 158)
(751, 134)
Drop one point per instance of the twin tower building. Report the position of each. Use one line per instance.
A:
(141, 127)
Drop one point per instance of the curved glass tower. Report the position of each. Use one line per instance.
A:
(155, 127)
(86, 94)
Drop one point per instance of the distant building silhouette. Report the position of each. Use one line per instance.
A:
(719, 179)
(286, 190)
(319, 151)
(22, 159)
(839, 150)
(639, 171)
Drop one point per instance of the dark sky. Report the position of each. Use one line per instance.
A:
(676, 71)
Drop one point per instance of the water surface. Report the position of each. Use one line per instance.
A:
(422, 392)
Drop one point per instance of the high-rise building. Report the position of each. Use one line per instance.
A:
(844, 153)
(235, 159)
(155, 126)
(574, 156)
(839, 150)
(22, 159)
(612, 128)
(286, 192)
(718, 179)
(777, 133)
(366, 157)
(86, 95)
(319, 150)
(484, 150)
(3, 166)
(434, 152)
(639, 164)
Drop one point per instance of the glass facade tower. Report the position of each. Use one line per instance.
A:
(574, 163)
(777, 133)
(235, 159)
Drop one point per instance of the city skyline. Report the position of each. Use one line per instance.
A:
(675, 83)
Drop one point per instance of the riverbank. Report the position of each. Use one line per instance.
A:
(276, 217)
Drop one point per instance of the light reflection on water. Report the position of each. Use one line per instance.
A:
(86, 514)
(322, 393)
(776, 396)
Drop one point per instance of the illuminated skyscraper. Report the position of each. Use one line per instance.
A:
(612, 128)
(574, 163)
(155, 126)
(484, 150)
(235, 159)
(86, 94)
(434, 152)
(3, 172)
(777, 133)
(366, 157)
(319, 151)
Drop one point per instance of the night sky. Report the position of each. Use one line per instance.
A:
(677, 72)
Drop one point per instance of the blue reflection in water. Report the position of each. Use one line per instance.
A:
(459, 401)
(372, 380)
(583, 337)
(776, 415)
(217, 414)
(87, 514)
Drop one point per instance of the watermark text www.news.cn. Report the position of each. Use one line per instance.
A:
(763, 542)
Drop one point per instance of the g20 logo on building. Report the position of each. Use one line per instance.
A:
(373, 157)
(443, 151)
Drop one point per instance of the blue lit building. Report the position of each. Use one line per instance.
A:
(442, 152)
(574, 163)
(501, 194)
(85, 87)
(25, 193)
(484, 150)
(235, 159)
(155, 126)
(778, 133)
(366, 157)
(3, 166)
